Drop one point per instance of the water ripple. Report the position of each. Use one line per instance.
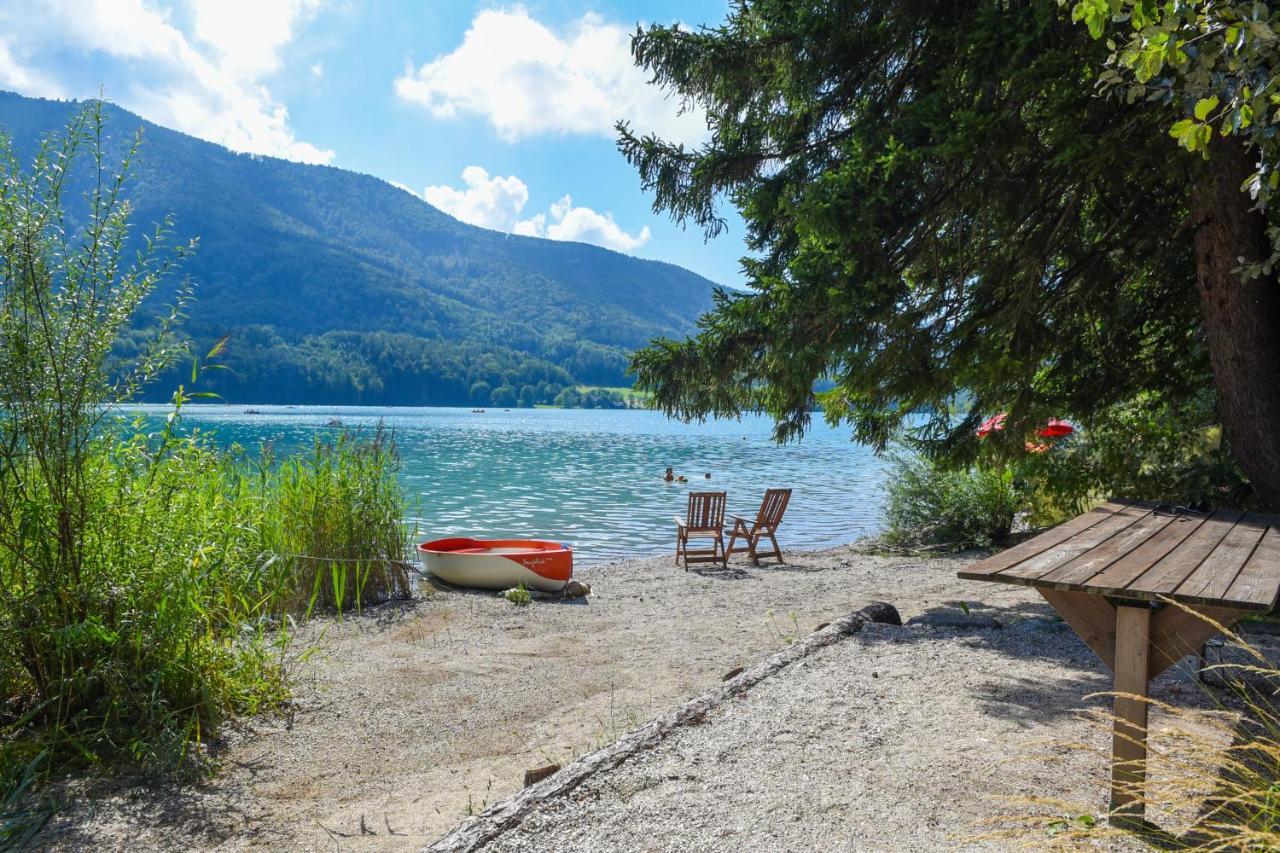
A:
(592, 478)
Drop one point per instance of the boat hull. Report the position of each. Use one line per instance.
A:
(499, 563)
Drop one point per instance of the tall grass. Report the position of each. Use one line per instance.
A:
(334, 523)
(147, 579)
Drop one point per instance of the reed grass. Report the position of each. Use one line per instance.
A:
(333, 521)
(194, 563)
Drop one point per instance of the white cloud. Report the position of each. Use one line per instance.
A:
(16, 77)
(248, 35)
(527, 80)
(582, 225)
(497, 202)
(488, 202)
(205, 80)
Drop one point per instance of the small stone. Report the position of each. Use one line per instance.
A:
(880, 612)
(576, 589)
(875, 675)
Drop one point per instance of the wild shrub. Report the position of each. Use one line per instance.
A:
(934, 507)
(1148, 448)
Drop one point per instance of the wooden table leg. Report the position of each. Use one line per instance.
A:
(1129, 738)
(1138, 644)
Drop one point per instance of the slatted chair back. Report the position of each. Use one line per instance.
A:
(772, 508)
(706, 510)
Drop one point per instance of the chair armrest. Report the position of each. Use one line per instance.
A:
(680, 522)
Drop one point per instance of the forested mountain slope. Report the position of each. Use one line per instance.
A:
(338, 287)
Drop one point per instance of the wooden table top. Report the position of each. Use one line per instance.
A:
(1128, 550)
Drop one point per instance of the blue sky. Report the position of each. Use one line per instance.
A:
(499, 114)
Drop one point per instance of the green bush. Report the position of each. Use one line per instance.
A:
(518, 595)
(933, 507)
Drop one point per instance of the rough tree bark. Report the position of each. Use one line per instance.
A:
(1242, 318)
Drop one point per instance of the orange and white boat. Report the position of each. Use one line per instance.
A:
(499, 563)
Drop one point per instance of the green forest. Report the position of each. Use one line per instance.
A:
(336, 287)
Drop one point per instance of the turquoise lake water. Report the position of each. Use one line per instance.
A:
(592, 478)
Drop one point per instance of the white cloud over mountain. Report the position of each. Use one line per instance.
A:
(497, 202)
(17, 77)
(490, 202)
(582, 224)
(527, 79)
(198, 68)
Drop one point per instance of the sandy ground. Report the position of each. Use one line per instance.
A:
(895, 739)
(415, 716)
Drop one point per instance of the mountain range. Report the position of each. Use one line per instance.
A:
(338, 287)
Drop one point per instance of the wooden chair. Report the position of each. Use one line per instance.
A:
(705, 519)
(767, 520)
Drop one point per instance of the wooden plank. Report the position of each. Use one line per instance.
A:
(1092, 617)
(1038, 544)
(1129, 736)
(1127, 569)
(1081, 571)
(1214, 576)
(1029, 571)
(1176, 633)
(1258, 584)
(1165, 576)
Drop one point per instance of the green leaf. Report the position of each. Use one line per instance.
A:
(1094, 13)
(1181, 128)
(1204, 106)
(1261, 31)
(218, 348)
(1149, 63)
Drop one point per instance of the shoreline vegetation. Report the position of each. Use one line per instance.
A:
(150, 582)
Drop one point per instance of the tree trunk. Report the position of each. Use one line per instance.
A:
(1241, 318)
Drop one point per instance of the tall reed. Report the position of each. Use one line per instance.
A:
(333, 523)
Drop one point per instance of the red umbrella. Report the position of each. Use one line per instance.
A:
(992, 424)
(1055, 429)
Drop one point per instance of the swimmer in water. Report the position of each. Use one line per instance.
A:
(668, 476)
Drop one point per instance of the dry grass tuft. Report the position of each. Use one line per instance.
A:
(1213, 777)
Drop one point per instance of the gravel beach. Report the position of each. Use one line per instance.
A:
(413, 717)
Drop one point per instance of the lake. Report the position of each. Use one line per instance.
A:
(592, 478)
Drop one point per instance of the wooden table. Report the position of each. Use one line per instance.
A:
(1109, 574)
